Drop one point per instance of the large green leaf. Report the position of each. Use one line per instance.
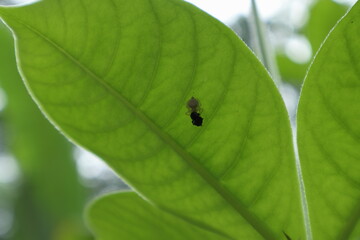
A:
(115, 77)
(46, 200)
(124, 215)
(329, 132)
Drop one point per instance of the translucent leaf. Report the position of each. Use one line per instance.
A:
(125, 215)
(116, 77)
(329, 132)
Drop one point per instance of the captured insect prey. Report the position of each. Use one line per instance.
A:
(196, 119)
(194, 109)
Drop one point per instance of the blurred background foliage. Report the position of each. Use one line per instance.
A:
(45, 181)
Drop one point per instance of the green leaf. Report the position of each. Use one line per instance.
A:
(124, 215)
(290, 71)
(329, 132)
(45, 197)
(323, 16)
(115, 77)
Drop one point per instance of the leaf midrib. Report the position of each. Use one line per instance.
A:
(224, 193)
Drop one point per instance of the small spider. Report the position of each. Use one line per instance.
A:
(194, 109)
(193, 105)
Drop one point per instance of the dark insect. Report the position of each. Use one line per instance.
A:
(196, 119)
(194, 109)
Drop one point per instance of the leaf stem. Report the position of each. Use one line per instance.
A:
(261, 48)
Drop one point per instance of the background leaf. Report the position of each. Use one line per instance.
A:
(116, 76)
(329, 133)
(323, 16)
(124, 215)
(50, 195)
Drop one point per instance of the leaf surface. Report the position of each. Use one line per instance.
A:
(125, 215)
(115, 77)
(329, 132)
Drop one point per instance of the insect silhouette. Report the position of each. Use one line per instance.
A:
(194, 109)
